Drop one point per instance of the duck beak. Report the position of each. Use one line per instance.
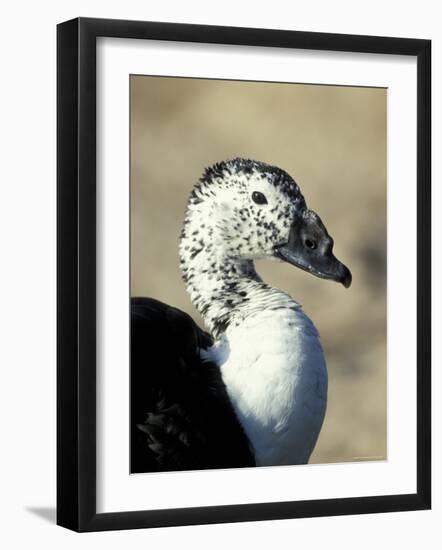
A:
(310, 248)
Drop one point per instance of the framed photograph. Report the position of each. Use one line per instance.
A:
(243, 274)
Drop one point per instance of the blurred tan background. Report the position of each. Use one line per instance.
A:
(332, 141)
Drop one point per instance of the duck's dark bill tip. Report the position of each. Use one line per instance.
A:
(346, 278)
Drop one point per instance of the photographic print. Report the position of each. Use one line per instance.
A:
(222, 289)
(258, 274)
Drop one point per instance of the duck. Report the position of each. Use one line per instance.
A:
(250, 389)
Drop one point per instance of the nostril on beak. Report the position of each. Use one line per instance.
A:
(310, 243)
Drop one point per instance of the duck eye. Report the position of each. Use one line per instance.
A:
(259, 198)
(310, 243)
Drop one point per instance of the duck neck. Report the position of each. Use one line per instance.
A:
(219, 286)
(224, 289)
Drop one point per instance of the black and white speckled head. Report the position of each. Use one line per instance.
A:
(239, 211)
(245, 207)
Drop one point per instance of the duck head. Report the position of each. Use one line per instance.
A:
(242, 209)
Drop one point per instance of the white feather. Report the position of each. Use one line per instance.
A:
(275, 373)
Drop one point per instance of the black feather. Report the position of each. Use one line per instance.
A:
(181, 415)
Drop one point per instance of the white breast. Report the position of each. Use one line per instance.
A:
(275, 373)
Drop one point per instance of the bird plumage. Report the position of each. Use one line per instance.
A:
(276, 378)
(181, 415)
(255, 391)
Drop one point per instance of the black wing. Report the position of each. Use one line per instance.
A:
(181, 415)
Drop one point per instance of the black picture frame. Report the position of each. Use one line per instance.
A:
(76, 273)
